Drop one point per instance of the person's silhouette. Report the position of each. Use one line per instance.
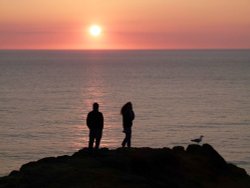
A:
(95, 123)
(127, 122)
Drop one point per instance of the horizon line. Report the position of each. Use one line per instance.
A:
(119, 49)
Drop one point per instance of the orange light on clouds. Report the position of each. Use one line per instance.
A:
(125, 24)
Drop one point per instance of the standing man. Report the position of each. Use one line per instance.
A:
(95, 123)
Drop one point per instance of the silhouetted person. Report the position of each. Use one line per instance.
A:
(127, 121)
(95, 124)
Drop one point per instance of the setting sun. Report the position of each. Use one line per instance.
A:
(95, 30)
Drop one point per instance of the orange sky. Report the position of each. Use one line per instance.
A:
(137, 24)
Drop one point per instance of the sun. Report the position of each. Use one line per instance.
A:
(95, 30)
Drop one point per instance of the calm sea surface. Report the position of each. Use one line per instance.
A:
(177, 96)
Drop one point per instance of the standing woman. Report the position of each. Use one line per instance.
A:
(127, 119)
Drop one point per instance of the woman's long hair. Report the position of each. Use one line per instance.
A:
(126, 107)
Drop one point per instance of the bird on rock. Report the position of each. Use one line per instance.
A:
(197, 140)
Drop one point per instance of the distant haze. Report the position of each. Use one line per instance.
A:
(138, 24)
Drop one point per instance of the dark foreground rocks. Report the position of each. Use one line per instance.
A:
(196, 167)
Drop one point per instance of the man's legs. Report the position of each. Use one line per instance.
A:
(98, 138)
(91, 139)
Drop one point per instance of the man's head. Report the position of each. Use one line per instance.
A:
(95, 106)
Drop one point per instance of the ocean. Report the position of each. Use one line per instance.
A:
(177, 95)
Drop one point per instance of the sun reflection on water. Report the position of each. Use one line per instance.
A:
(95, 90)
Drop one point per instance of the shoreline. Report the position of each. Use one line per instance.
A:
(195, 166)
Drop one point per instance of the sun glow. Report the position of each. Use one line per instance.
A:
(95, 30)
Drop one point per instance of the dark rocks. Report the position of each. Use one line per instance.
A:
(214, 156)
(196, 167)
(195, 149)
(179, 149)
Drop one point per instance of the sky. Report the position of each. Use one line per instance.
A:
(135, 24)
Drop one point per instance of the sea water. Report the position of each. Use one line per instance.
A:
(177, 96)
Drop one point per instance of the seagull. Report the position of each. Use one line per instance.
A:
(197, 140)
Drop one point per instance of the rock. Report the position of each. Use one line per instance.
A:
(179, 149)
(194, 149)
(214, 156)
(197, 167)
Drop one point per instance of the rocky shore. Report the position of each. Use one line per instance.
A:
(194, 167)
